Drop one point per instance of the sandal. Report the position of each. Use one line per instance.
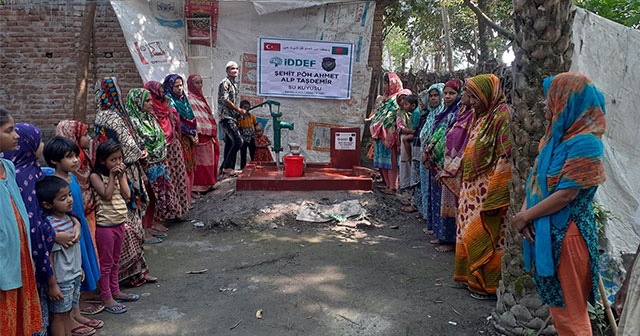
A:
(150, 279)
(446, 248)
(154, 240)
(388, 191)
(95, 324)
(117, 308)
(126, 297)
(82, 330)
(482, 297)
(158, 233)
(92, 308)
(409, 209)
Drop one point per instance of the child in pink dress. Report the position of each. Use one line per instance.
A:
(262, 142)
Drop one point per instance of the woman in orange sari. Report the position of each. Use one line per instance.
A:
(484, 192)
(19, 303)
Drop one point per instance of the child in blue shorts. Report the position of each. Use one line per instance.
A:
(54, 196)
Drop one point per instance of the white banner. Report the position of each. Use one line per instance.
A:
(304, 69)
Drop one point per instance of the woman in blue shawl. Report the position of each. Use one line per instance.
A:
(442, 219)
(557, 219)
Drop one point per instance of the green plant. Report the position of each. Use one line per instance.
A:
(599, 322)
(602, 216)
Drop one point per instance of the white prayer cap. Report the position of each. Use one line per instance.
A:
(231, 63)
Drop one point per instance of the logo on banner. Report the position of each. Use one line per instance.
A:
(328, 63)
(277, 61)
(271, 46)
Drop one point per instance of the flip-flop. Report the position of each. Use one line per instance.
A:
(82, 330)
(95, 324)
(158, 234)
(482, 297)
(409, 209)
(116, 308)
(94, 308)
(128, 297)
(445, 248)
(153, 240)
(166, 229)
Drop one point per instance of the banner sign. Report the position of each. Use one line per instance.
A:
(304, 69)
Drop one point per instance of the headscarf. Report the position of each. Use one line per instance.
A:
(493, 137)
(441, 125)
(206, 123)
(28, 172)
(108, 98)
(161, 109)
(570, 157)
(181, 103)
(146, 126)
(404, 117)
(75, 130)
(431, 111)
(383, 122)
(456, 141)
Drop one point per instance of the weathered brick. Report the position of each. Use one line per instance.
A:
(41, 90)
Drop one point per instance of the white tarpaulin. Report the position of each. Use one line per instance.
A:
(155, 36)
(607, 52)
(304, 69)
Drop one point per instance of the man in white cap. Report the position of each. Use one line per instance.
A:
(230, 111)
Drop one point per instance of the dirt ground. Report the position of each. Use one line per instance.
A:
(378, 275)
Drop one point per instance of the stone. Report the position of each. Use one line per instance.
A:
(531, 301)
(521, 313)
(518, 331)
(549, 330)
(508, 300)
(508, 319)
(541, 312)
(535, 324)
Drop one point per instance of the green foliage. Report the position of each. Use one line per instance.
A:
(599, 322)
(398, 47)
(626, 12)
(602, 216)
(421, 22)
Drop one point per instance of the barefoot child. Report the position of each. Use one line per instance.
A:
(262, 144)
(54, 196)
(109, 180)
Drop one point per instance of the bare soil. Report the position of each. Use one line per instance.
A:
(375, 276)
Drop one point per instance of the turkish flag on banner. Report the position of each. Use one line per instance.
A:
(271, 46)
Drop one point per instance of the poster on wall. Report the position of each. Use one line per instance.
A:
(204, 21)
(304, 69)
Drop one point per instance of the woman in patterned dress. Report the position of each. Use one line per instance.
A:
(484, 192)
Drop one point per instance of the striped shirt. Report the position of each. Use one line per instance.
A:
(61, 225)
(111, 212)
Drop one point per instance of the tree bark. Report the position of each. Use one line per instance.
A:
(543, 47)
(447, 37)
(82, 67)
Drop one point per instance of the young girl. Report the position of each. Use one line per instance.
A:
(109, 180)
(19, 301)
(262, 145)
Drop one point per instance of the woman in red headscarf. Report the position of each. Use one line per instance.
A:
(384, 132)
(207, 150)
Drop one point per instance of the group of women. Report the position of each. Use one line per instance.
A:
(461, 175)
(161, 131)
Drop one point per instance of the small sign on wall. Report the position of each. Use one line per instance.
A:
(345, 141)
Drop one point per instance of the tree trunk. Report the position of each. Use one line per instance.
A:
(447, 37)
(483, 33)
(82, 67)
(542, 48)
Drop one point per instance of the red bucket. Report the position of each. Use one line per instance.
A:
(293, 165)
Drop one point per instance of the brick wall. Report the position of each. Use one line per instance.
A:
(39, 89)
